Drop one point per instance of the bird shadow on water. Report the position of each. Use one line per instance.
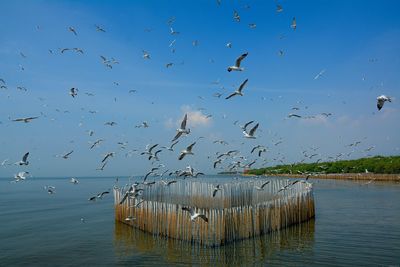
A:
(130, 244)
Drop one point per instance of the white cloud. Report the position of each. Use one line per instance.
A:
(195, 117)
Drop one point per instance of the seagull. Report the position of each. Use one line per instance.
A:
(102, 166)
(251, 133)
(319, 74)
(169, 182)
(99, 29)
(110, 123)
(173, 32)
(237, 67)
(50, 189)
(74, 181)
(216, 189)
(26, 120)
(146, 54)
(73, 92)
(67, 155)
(24, 160)
(294, 24)
(187, 151)
(238, 91)
(219, 161)
(96, 143)
(262, 186)
(279, 8)
(71, 29)
(130, 218)
(194, 215)
(252, 25)
(170, 148)
(101, 195)
(148, 150)
(293, 115)
(154, 156)
(229, 45)
(236, 16)
(182, 129)
(21, 176)
(109, 154)
(381, 100)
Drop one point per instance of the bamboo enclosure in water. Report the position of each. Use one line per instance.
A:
(238, 211)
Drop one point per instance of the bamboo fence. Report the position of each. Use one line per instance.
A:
(238, 211)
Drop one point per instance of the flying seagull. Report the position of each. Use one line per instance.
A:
(21, 176)
(237, 67)
(238, 91)
(216, 189)
(66, 156)
(262, 186)
(319, 74)
(26, 120)
(73, 92)
(71, 29)
(381, 100)
(194, 215)
(74, 181)
(294, 24)
(187, 151)
(24, 160)
(251, 133)
(182, 129)
(106, 156)
(99, 29)
(170, 148)
(236, 16)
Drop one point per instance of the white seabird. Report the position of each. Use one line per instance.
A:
(238, 91)
(237, 67)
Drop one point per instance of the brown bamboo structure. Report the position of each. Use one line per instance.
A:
(238, 211)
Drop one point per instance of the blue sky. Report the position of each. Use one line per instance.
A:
(355, 42)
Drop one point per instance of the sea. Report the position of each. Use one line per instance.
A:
(356, 224)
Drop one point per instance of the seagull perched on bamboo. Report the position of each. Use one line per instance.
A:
(182, 129)
(238, 91)
(187, 151)
(381, 100)
(250, 134)
(262, 186)
(24, 160)
(26, 120)
(194, 215)
(237, 67)
(216, 189)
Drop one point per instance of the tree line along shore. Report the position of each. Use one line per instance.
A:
(376, 168)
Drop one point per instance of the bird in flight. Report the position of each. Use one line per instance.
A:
(71, 29)
(239, 90)
(187, 151)
(294, 24)
(237, 67)
(66, 156)
(182, 129)
(262, 186)
(99, 29)
(381, 100)
(250, 134)
(73, 92)
(194, 215)
(26, 120)
(216, 189)
(24, 160)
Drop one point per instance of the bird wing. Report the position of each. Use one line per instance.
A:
(253, 130)
(247, 124)
(69, 153)
(203, 217)
(178, 134)
(183, 124)
(173, 144)
(231, 95)
(380, 103)
(25, 157)
(215, 192)
(264, 184)
(240, 58)
(181, 156)
(242, 85)
(189, 148)
(151, 148)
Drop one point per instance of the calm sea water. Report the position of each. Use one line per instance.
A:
(355, 225)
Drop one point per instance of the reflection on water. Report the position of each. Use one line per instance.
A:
(128, 241)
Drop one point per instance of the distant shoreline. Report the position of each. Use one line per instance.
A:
(344, 176)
